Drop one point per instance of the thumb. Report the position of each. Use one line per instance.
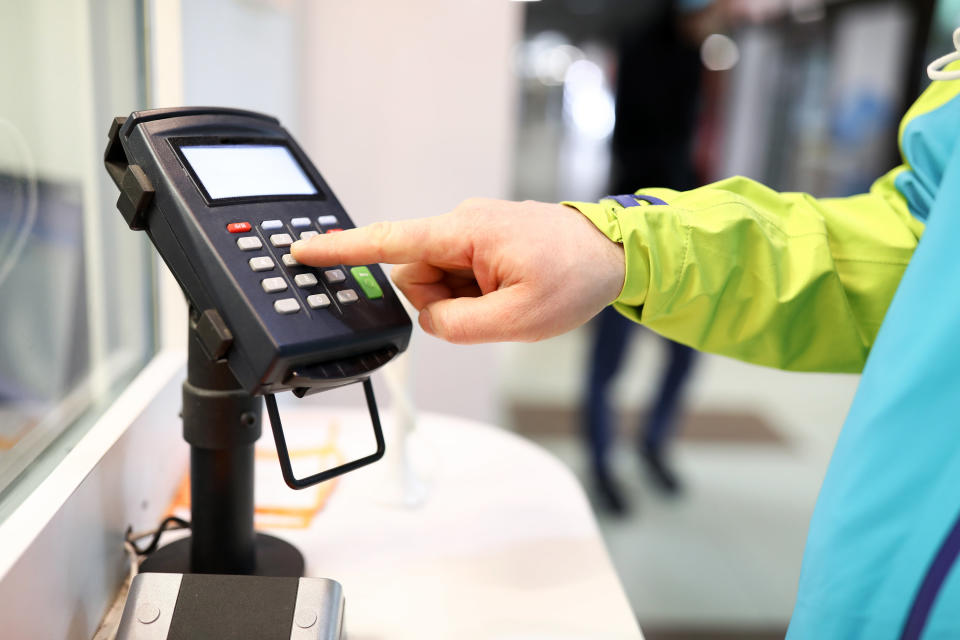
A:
(499, 316)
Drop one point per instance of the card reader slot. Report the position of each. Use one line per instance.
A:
(313, 378)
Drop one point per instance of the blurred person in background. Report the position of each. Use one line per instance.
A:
(659, 78)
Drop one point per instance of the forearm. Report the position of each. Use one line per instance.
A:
(782, 280)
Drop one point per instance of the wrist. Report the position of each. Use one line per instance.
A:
(613, 258)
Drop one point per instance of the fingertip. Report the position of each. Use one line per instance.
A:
(297, 249)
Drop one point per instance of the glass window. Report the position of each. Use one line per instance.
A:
(76, 296)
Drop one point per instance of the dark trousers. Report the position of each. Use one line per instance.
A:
(612, 332)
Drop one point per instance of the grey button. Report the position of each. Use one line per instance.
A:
(289, 260)
(261, 263)
(286, 305)
(272, 285)
(281, 240)
(327, 221)
(305, 280)
(300, 222)
(306, 235)
(305, 618)
(318, 301)
(334, 276)
(347, 296)
(269, 225)
(148, 613)
(249, 243)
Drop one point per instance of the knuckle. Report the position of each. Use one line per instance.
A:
(474, 205)
(379, 234)
(452, 329)
(400, 274)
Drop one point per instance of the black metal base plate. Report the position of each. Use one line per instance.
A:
(275, 557)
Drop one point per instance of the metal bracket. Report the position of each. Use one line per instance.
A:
(284, 455)
(136, 191)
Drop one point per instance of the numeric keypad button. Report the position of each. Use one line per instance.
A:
(327, 221)
(249, 243)
(318, 301)
(305, 280)
(347, 296)
(261, 263)
(286, 306)
(281, 240)
(273, 285)
(333, 276)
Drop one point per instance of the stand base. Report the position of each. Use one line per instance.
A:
(275, 557)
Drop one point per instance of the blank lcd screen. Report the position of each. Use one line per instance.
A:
(247, 170)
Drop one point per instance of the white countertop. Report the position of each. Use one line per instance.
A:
(504, 545)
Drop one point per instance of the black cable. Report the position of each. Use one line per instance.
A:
(179, 523)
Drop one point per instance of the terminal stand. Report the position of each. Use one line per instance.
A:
(221, 423)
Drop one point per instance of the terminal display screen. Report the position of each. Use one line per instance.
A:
(247, 171)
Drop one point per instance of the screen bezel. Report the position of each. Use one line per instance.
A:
(193, 141)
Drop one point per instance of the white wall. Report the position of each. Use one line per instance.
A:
(242, 53)
(408, 108)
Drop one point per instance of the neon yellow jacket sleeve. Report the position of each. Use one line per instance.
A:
(782, 279)
(778, 279)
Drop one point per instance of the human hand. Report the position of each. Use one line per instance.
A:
(490, 270)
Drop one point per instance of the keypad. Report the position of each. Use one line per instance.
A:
(273, 285)
(347, 296)
(286, 305)
(249, 243)
(333, 276)
(261, 263)
(281, 240)
(305, 280)
(327, 221)
(302, 277)
(318, 301)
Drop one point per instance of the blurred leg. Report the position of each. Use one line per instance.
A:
(611, 331)
(663, 416)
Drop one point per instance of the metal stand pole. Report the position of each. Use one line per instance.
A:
(221, 423)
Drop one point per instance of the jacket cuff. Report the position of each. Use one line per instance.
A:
(624, 227)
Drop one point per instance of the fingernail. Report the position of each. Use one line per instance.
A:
(297, 244)
(426, 322)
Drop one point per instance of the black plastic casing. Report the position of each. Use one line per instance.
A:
(269, 352)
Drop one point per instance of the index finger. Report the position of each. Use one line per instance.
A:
(401, 242)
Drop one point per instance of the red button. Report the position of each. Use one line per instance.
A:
(333, 230)
(238, 227)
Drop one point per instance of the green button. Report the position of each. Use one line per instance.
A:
(367, 282)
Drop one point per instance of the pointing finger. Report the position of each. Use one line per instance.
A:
(424, 239)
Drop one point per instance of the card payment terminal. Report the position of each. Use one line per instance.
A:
(222, 194)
